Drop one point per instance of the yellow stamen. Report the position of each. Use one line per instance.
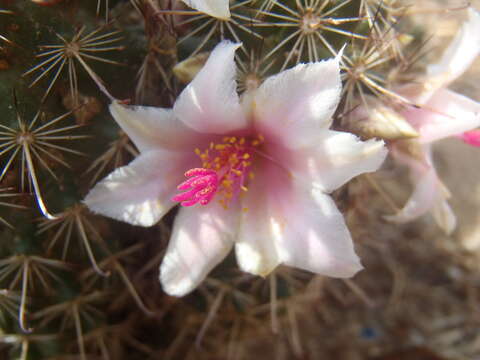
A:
(231, 159)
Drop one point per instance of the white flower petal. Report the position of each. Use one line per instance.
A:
(210, 104)
(315, 237)
(255, 246)
(422, 199)
(444, 216)
(445, 114)
(140, 192)
(294, 106)
(202, 237)
(458, 57)
(151, 127)
(428, 190)
(295, 225)
(216, 8)
(336, 158)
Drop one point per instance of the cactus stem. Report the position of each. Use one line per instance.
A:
(210, 316)
(273, 304)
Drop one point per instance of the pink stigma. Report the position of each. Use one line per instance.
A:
(201, 187)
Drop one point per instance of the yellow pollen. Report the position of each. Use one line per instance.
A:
(231, 159)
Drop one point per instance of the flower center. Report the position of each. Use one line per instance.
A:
(225, 171)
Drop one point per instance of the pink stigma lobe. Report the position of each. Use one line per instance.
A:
(201, 187)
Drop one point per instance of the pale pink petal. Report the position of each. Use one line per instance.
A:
(421, 201)
(334, 160)
(255, 247)
(471, 137)
(210, 104)
(152, 127)
(314, 236)
(292, 224)
(444, 216)
(428, 192)
(216, 8)
(140, 192)
(445, 114)
(293, 107)
(458, 57)
(202, 237)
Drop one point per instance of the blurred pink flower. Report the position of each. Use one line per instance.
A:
(441, 113)
(471, 137)
(258, 171)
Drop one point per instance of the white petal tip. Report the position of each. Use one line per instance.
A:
(173, 283)
(346, 270)
(217, 8)
(354, 270)
(339, 56)
(252, 262)
(396, 219)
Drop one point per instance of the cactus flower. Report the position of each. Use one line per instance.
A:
(440, 113)
(252, 174)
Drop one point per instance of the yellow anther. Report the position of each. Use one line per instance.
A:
(245, 209)
(231, 159)
(251, 175)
